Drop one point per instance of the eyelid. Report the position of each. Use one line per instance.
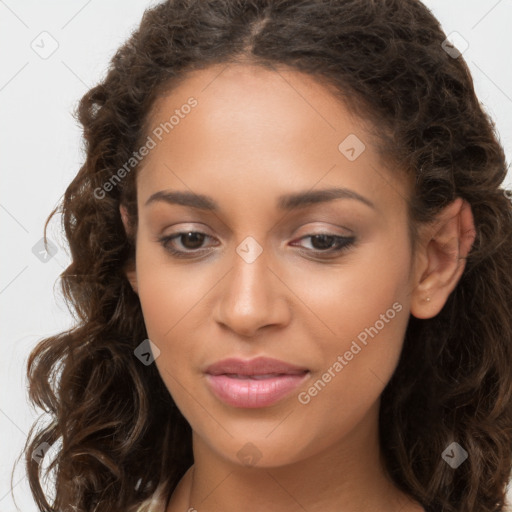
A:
(346, 242)
(307, 231)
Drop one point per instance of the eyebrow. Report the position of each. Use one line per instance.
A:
(285, 202)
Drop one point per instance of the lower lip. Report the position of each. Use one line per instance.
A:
(252, 393)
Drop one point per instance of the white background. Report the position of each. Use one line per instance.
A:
(41, 152)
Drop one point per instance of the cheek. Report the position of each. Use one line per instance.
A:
(170, 293)
(173, 301)
(362, 312)
(345, 298)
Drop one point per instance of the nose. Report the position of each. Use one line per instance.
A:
(252, 296)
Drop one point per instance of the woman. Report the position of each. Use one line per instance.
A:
(291, 267)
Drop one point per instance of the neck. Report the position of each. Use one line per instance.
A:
(349, 476)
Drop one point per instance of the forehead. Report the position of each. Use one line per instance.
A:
(269, 128)
(228, 94)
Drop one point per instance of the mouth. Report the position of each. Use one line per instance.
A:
(258, 377)
(259, 366)
(259, 382)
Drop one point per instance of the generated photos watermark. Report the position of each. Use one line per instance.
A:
(304, 397)
(145, 149)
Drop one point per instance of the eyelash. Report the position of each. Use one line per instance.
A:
(346, 243)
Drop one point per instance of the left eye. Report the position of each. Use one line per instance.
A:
(193, 240)
(324, 242)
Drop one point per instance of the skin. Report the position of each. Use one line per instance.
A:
(257, 134)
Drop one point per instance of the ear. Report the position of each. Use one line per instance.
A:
(129, 268)
(441, 258)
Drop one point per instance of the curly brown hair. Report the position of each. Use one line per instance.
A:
(121, 434)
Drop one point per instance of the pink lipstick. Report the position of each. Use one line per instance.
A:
(259, 382)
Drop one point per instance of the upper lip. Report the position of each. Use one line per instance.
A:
(256, 366)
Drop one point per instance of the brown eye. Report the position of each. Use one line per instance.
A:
(329, 243)
(190, 242)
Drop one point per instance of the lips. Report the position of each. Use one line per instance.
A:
(259, 382)
(254, 367)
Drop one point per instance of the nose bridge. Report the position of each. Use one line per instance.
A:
(251, 295)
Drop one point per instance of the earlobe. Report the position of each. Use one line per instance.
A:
(444, 248)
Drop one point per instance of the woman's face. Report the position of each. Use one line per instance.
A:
(264, 274)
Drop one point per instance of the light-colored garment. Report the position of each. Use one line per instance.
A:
(155, 503)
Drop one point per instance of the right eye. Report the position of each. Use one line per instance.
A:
(190, 240)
